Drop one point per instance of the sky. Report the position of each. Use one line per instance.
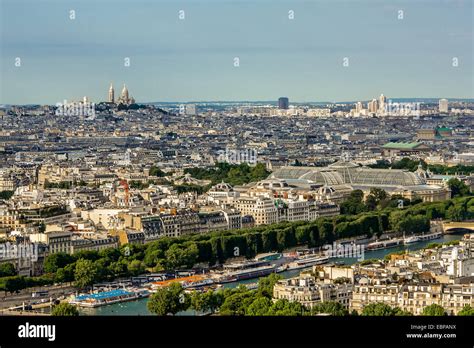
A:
(193, 59)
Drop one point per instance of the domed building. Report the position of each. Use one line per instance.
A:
(343, 174)
(124, 98)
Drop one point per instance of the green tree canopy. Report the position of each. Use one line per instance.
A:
(266, 284)
(208, 301)
(330, 307)
(379, 309)
(458, 188)
(7, 269)
(65, 309)
(57, 260)
(181, 255)
(168, 300)
(466, 311)
(85, 273)
(434, 310)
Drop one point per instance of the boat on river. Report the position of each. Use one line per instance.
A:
(104, 298)
(385, 244)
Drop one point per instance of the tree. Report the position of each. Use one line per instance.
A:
(466, 311)
(266, 284)
(456, 212)
(433, 310)
(326, 234)
(237, 302)
(6, 195)
(370, 202)
(181, 255)
(413, 224)
(41, 227)
(401, 313)
(152, 257)
(65, 309)
(92, 255)
(217, 252)
(206, 302)
(254, 244)
(65, 274)
(168, 300)
(354, 204)
(12, 284)
(155, 171)
(269, 241)
(85, 273)
(57, 260)
(302, 234)
(284, 307)
(233, 174)
(378, 193)
(330, 307)
(7, 269)
(258, 172)
(259, 307)
(109, 254)
(409, 164)
(378, 309)
(118, 269)
(136, 267)
(377, 197)
(458, 188)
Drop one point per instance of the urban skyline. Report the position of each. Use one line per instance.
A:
(247, 158)
(106, 97)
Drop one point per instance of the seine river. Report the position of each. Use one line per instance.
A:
(138, 307)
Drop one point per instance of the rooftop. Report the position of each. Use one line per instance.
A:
(401, 145)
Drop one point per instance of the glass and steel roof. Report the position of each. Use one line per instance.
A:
(349, 173)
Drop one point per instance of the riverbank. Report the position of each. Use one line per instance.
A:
(139, 308)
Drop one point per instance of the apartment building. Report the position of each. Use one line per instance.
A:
(307, 291)
(57, 241)
(263, 210)
(414, 297)
(366, 293)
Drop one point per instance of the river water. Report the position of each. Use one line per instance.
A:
(138, 307)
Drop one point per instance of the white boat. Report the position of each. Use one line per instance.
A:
(411, 240)
(385, 244)
(198, 283)
(247, 273)
(423, 237)
(431, 236)
(308, 261)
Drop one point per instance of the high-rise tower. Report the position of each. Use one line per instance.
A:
(283, 103)
(443, 106)
(382, 102)
(111, 94)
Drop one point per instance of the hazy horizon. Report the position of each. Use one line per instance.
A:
(174, 60)
(260, 101)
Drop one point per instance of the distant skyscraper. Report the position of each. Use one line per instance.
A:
(373, 105)
(443, 106)
(382, 100)
(111, 94)
(359, 106)
(283, 103)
